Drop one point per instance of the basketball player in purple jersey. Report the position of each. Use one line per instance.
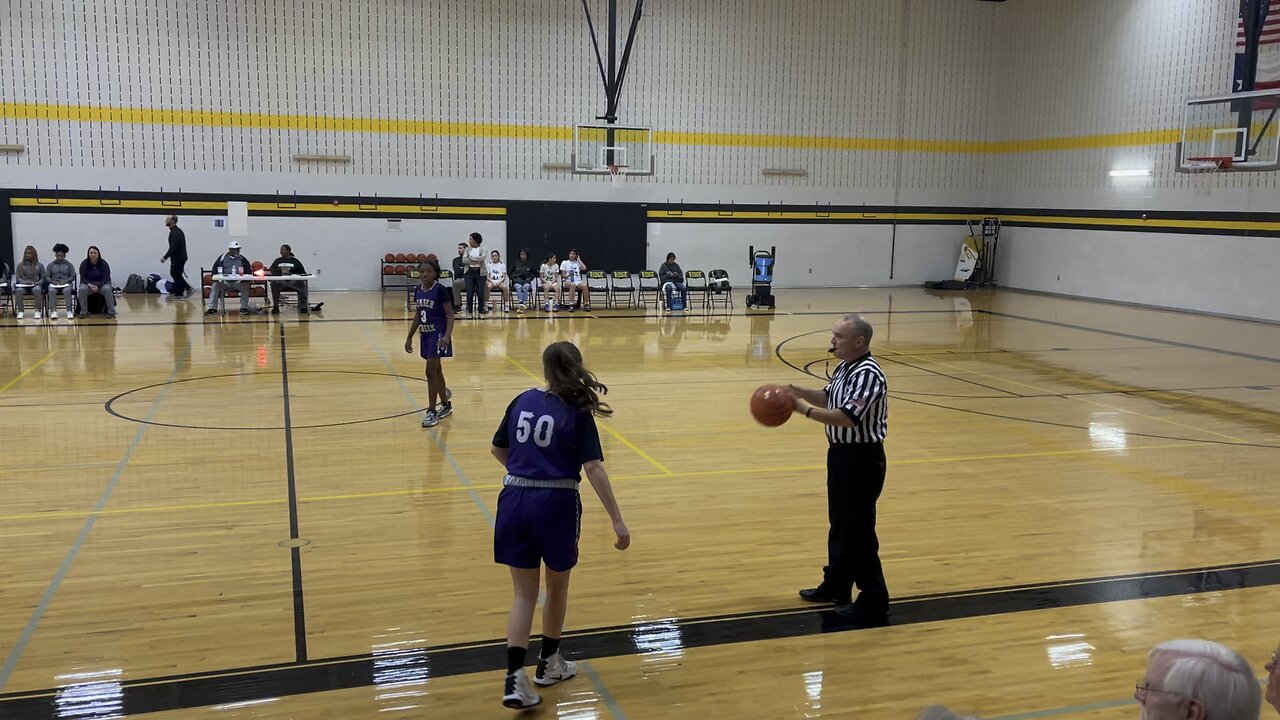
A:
(545, 439)
(433, 321)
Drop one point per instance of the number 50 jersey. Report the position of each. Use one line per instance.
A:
(547, 438)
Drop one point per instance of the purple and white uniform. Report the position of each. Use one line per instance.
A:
(431, 320)
(539, 510)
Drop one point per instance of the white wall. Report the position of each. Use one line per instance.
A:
(346, 250)
(1102, 67)
(812, 255)
(1226, 275)
(470, 98)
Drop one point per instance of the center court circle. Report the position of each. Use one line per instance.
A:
(232, 401)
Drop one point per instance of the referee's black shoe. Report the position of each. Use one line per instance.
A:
(822, 595)
(861, 617)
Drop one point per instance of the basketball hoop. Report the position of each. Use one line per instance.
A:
(616, 173)
(1208, 164)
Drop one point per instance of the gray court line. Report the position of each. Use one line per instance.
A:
(1067, 709)
(603, 691)
(30, 629)
(435, 436)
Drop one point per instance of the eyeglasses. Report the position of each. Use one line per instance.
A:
(1142, 690)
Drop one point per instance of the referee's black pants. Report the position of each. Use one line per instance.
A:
(855, 477)
(474, 286)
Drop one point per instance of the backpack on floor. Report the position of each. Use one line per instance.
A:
(153, 284)
(135, 284)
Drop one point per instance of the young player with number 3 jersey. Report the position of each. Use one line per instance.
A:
(433, 322)
(547, 437)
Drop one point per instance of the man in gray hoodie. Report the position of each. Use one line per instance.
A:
(61, 276)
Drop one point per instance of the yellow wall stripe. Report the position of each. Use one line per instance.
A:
(321, 123)
(264, 207)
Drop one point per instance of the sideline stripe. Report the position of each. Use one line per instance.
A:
(27, 372)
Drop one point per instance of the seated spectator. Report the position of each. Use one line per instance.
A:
(550, 272)
(459, 278)
(1273, 682)
(1197, 679)
(574, 272)
(672, 279)
(522, 276)
(230, 262)
(95, 279)
(61, 276)
(498, 280)
(28, 279)
(287, 264)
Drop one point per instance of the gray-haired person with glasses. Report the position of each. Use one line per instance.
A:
(1273, 682)
(1197, 680)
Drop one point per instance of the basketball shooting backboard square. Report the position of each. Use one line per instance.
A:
(1243, 127)
(596, 147)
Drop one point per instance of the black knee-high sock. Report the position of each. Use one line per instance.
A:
(515, 658)
(549, 646)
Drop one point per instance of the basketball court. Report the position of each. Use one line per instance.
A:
(240, 516)
(252, 520)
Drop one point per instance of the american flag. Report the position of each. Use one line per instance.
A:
(1268, 75)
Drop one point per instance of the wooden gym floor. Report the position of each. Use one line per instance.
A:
(241, 518)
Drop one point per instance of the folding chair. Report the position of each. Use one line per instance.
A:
(648, 288)
(696, 281)
(597, 284)
(6, 297)
(412, 285)
(622, 284)
(719, 290)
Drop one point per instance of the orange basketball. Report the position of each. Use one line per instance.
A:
(771, 405)
(401, 258)
(389, 257)
(429, 257)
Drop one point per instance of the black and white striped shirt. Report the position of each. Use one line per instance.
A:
(858, 388)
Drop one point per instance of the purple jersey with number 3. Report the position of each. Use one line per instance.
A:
(546, 438)
(430, 303)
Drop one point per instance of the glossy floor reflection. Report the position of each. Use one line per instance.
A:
(1068, 481)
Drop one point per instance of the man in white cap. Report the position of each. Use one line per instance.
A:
(230, 262)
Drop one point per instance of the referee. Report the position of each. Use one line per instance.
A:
(854, 409)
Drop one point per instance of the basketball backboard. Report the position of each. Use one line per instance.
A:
(596, 147)
(1239, 132)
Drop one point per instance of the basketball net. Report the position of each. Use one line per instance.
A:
(616, 173)
(1203, 169)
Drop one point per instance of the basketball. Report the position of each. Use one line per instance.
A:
(430, 257)
(771, 405)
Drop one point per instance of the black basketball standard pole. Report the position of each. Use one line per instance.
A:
(1253, 15)
(613, 74)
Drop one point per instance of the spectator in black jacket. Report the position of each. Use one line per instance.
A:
(288, 264)
(459, 281)
(177, 257)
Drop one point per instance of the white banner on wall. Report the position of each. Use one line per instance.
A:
(238, 219)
